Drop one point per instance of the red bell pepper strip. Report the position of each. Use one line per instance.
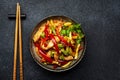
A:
(46, 30)
(64, 41)
(42, 53)
(44, 56)
(55, 43)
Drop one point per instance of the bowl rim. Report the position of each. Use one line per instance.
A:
(40, 64)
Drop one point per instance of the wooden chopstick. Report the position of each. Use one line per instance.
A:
(20, 46)
(18, 31)
(15, 44)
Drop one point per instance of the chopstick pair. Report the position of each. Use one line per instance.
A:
(18, 37)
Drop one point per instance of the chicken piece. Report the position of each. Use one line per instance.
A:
(68, 58)
(36, 50)
(38, 33)
(50, 44)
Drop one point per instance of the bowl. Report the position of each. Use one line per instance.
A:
(37, 58)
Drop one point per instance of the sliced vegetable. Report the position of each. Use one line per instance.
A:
(51, 23)
(55, 43)
(70, 36)
(53, 30)
(65, 52)
(77, 49)
(67, 23)
(66, 65)
(46, 30)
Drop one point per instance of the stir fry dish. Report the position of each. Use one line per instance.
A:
(58, 42)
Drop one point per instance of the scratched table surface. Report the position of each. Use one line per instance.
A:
(100, 20)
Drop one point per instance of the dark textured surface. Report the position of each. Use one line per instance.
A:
(100, 20)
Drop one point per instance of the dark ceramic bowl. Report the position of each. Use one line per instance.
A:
(36, 56)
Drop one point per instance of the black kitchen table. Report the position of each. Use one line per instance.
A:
(100, 20)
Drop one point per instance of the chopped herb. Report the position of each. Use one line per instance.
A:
(78, 41)
(61, 57)
(60, 45)
(66, 53)
(42, 35)
(63, 32)
(52, 53)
